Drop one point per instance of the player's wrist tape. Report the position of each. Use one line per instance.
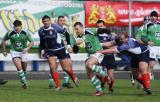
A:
(68, 46)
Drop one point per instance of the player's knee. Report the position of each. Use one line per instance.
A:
(53, 69)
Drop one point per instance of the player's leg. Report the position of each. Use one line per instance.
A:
(51, 80)
(94, 79)
(111, 79)
(133, 75)
(150, 69)
(17, 63)
(145, 77)
(24, 58)
(109, 63)
(55, 75)
(66, 79)
(69, 71)
(92, 64)
(17, 60)
(62, 56)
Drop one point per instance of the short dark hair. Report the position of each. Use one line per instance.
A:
(100, 21)
(17, 23)
(78, 23)
(60, 17)
(45, 17)
(154, 13)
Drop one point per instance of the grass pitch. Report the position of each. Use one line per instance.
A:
(38, 91)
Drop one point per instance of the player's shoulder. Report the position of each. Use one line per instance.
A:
(158, 22)
(147, 25)
(91, 31)
(11, 32)
(40, 30)
(56, 26)
(25, 32)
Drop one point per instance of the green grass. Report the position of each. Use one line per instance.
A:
(38, 91)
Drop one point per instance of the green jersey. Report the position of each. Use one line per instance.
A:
(152, 31)
(18, 41)
(139, 33)
(92, 43)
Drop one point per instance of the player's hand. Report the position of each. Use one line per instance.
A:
(4, 53)
(42, 53)
(25, 50)
(69, 49)
(150, 43)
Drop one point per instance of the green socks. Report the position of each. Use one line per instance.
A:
(66, 78)
(96, 83)
(51, 82)
(22, 77)
(99, 70)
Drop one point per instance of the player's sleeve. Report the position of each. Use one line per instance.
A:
(92, 31)
(123, 47)
(6, 36)
(67, 35)
(30, 39)
(63, 31)
(42, 44)
(139, 33)
(144, 36)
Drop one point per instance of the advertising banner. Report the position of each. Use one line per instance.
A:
(30, 13)
(117, 13)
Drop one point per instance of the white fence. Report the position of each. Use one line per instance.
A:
(37, 64)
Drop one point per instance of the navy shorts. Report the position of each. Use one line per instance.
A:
(60, 54)
(108, 62)
(68, 56)
(136, 58)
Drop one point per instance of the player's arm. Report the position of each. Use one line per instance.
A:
(29, 38)
(115, 49)
(41, 45)
(6, 37)
(141, 35)
(78, 41)
(109, 51)
(144, 37)
(67, 35)
(108, 44)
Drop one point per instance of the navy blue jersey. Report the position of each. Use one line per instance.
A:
(50, 38)
(104, 37)
(64, 33)
(132, 46)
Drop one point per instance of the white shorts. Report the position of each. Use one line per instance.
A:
(98, 56)
(154, 52)
(21, 55)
